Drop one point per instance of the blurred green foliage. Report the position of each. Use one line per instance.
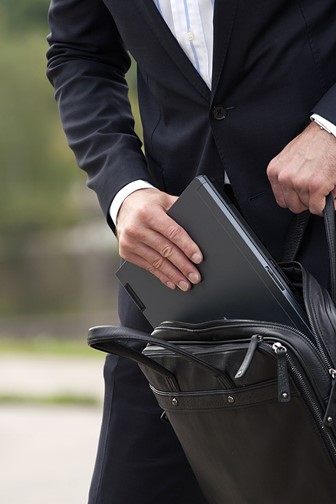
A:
(42, 192)
(38, 175)
(36, 181)
(24, 14)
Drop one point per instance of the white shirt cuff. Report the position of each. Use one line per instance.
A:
(324, 124)
(123, 193)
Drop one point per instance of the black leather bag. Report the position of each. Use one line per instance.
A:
(252, 403)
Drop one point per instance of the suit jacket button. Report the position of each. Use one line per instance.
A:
(219, 112)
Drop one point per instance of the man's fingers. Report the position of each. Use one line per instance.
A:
(149, 238)
(317, 203)
(160, 255)
(142, 263)
(287, 198)
(293, 192)
(293, 200)
(304, 172)
(165, 252)
(176, 235)
(160, 267)
(273, 170)
(278, 193)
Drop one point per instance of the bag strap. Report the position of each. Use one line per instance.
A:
(296, 233)
(329, 222)
(114, 340)
(295, 236)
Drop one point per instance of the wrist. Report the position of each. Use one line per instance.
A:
(123, 194)
(324, 124)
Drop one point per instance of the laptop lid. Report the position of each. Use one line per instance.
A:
(240, 280)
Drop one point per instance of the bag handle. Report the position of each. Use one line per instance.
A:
(112, 339)
(329, 223)
(296, 234)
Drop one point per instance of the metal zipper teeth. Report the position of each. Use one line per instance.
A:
(315, 349)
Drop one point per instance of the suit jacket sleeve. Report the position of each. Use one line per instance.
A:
(87, 63)
(326, 107)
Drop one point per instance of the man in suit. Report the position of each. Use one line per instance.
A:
(233, 89)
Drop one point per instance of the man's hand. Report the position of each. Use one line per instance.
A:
(149, 238)
(304, 172)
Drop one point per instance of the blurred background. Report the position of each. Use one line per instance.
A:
(57, 265)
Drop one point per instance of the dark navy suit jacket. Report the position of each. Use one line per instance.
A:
(274, 64)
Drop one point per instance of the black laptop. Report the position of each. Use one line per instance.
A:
(240, 280)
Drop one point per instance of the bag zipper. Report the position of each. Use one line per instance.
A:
(330, 412)
(315, 410)
(316, 349)
(265, 325)
(195, 393)
(280, 351)
(307, 393)
(223, 378)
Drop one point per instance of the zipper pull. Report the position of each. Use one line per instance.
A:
(256, 338)
(330, 412)
(283, 378)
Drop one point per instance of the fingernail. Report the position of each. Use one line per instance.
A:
(183, 286)
(171, 285)
(196, 258)
(194, 278)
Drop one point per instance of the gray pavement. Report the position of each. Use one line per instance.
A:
(47, 453)
(51, 375)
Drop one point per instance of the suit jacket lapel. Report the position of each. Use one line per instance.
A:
(150, 13)
(224, 16)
